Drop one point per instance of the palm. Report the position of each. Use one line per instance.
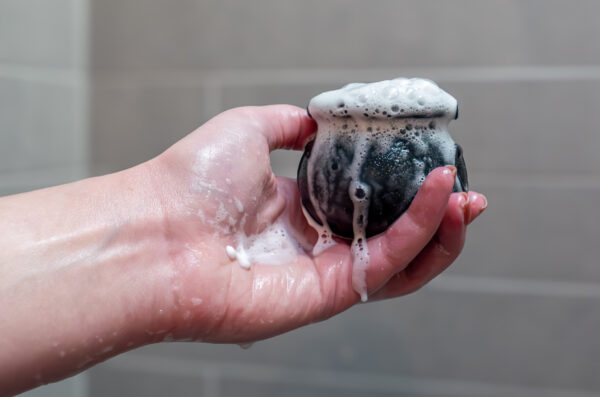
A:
(223, 186)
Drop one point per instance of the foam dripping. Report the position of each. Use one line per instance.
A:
(360, 194)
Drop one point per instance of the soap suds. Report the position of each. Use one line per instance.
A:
(273, 246)
(385, 100)
(360, 194)
(325, 238)
(238, 204)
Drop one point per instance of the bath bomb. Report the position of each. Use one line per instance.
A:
(375, 144)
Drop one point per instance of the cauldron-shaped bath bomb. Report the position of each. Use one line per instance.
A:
(374, 146)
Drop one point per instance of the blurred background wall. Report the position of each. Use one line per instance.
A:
(93, 86)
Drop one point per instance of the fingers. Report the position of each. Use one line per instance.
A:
(284, 126)
(392, 251)
(439, 253)
(477, 203)
(443, 248)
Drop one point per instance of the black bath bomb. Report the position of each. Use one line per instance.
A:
(376, 148)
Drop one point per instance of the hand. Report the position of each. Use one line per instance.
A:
(218, 183)
(100, 266)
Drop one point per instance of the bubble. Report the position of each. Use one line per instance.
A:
(395, 108)
(360, 193)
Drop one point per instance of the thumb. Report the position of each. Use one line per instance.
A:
(284, 126)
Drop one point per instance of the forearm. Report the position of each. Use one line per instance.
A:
(75, 264)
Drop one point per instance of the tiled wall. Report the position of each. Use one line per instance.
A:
(517, 315)
(43, 98)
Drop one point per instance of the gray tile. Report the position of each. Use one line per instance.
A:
(38, 32)
(535, 232)
(39, 126)
(27, 180)
(285, 162)
(528, 126)
(337, 33)
(135, 123)
(258, 94)
(256, 389)
(105, 382)
(534, 342)
(76, 386)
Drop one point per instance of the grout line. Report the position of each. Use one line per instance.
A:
(514, 286)
(81, 51)
(211, 384)
(22, 180)
(479, 181)
(68, 77)
(442, 74)
(80, 386)
(254, 77)
(266, 76)
(535, 178)
(326, 378)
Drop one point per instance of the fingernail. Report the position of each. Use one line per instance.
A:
(485, 203)
(463, 202)
(477, 199)
(450, 169)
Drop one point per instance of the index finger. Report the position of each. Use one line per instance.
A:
(393, 250)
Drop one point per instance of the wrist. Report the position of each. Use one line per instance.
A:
(139, 258)
(83, 266)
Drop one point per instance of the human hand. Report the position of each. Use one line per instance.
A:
(217, 186)
(107, 264)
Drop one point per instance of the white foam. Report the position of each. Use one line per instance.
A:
(386, 99)
(273, 246)
(325, 238)
(360, 194)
